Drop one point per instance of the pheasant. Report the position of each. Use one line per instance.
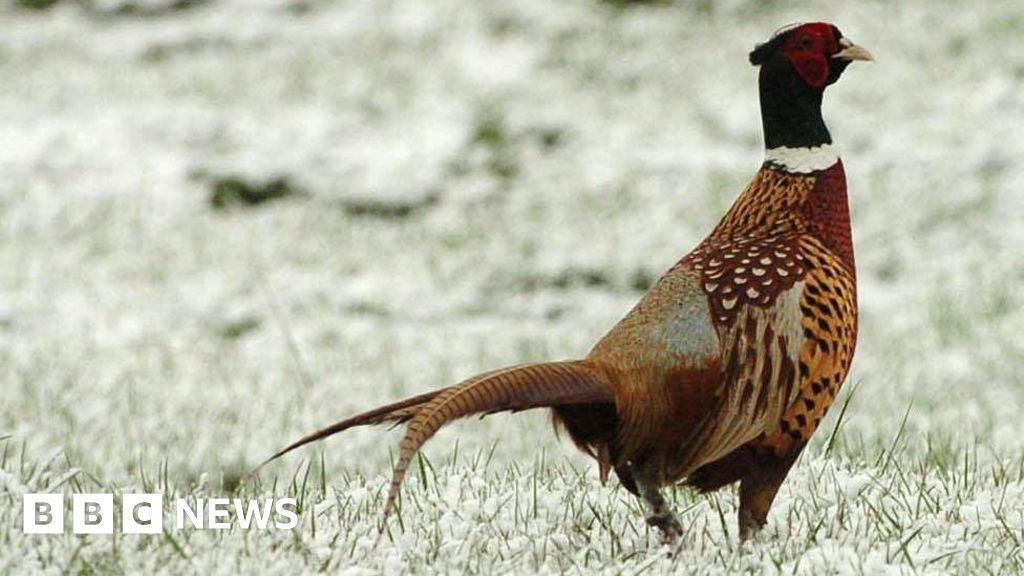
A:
(724, 369)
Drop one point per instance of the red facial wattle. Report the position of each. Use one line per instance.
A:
(808, 48)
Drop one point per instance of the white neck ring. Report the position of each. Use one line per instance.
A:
(803, 160)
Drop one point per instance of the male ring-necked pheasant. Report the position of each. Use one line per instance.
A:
(724, 369)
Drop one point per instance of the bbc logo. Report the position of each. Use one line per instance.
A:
(144, 513)
(93, 514)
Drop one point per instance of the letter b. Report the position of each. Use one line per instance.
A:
(92, 513)
(43, 514)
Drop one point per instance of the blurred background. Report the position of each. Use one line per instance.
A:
(226, 222)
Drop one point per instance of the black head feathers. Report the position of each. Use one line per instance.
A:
(763, 51)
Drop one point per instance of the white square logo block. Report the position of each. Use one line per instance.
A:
(142, 513)
(92, 513)
(43, 514)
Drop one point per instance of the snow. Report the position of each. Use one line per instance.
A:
(549, 158)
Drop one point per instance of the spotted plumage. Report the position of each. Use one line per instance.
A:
(753, 255)
(725, 368)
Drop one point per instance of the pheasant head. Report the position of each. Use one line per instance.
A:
(797, 64)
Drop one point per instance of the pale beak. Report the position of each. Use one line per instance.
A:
(851, 52)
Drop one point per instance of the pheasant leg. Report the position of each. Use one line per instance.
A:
(659, 516)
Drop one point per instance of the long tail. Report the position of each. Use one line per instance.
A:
(512, 389)
(396, 413)
(509, 389)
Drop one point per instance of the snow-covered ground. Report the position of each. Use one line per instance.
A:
(476, 184)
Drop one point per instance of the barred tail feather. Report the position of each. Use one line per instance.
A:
(511, 389)
(395, 413)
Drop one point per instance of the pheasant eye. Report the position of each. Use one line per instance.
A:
(805, 42)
